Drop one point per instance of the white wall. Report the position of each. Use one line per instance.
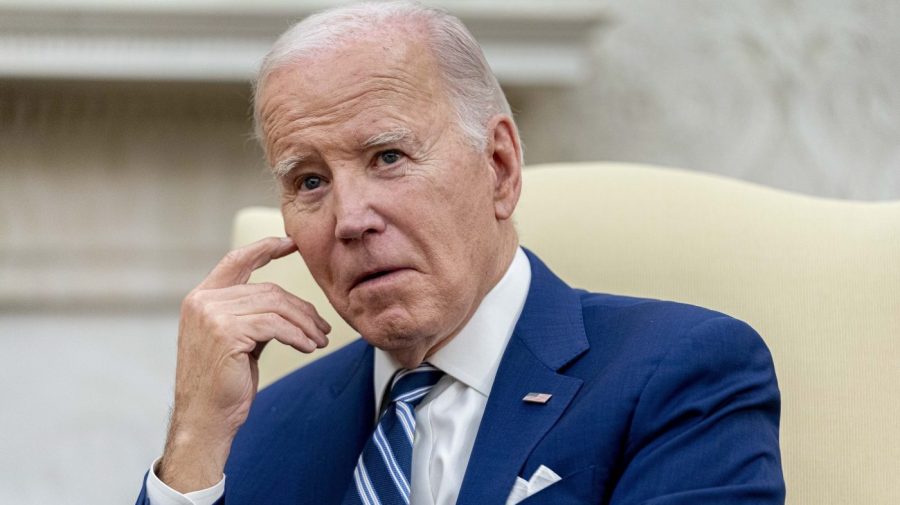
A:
(115, 199)
(85, 403)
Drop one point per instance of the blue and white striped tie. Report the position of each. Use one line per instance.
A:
(382, 474)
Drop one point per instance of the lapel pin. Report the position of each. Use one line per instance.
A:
(537, 398)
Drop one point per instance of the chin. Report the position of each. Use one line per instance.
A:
(396, 332)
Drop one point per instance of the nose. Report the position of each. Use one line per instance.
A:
(355, 214)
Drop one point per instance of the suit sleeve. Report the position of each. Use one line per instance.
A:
(705, 428)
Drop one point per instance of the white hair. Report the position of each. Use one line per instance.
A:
(474, 91)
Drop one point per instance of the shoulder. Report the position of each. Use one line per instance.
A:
(648, 312)
(680, 385)
(656, 321)
(638, 334)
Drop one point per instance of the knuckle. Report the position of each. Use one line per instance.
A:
(273, 320)
(306, 305)
(208, 312)
(279, 299)
(284, 304)
(271, 242)
(193, 302)
(301, 304)
(218, 326)
(270, 287)
(233, 256)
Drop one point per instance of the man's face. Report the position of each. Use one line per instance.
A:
(390, 207)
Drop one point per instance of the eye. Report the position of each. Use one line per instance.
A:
(390, 157)
(309, 182)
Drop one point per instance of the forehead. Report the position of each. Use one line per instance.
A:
(356, 88)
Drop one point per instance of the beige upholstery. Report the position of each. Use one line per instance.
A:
(819, 279)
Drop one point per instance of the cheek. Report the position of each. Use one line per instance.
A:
(468, 209)
(313, 238)
(450, 195)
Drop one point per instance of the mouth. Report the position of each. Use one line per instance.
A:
(374, 277)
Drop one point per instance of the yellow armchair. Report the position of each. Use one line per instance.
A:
(818, 278)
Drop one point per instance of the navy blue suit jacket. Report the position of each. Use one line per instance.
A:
(653, 403)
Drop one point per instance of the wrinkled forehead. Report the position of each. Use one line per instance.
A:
(401, 64)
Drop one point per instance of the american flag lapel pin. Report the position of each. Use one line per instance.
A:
(541, 398)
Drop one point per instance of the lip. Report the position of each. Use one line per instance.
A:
(377, 276)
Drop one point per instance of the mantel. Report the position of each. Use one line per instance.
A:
(528, 43)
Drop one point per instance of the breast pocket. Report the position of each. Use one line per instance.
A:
(580, 488)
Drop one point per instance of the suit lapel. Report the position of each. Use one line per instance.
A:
(549, 335)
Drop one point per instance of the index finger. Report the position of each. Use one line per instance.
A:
(238, 264)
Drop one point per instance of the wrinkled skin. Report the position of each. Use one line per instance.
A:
(426, 210)
(403, 224)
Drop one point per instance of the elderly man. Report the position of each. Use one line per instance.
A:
(481, 378)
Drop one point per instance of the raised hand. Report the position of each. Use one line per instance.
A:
(225, 324)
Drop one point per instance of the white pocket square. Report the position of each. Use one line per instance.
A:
(522, 489)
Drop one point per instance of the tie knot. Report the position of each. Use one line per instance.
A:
(411, 385)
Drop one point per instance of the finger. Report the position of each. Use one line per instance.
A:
(293, 315)
(259, 328)
(272, 296)
(245, 299)
(238, 264)
(260, 295)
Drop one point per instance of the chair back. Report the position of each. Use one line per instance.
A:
(819, 279)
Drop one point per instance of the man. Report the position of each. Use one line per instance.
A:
(399, 168)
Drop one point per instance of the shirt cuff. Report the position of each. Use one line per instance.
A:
(160, 494)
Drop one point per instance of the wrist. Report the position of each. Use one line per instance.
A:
(193, 460)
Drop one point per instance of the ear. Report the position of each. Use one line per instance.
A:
(504, 152)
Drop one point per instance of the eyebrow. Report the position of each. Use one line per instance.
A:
(284, 167)
(388, 137)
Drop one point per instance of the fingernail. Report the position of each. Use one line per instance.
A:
(287, 240)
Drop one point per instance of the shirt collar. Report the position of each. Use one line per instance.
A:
(473, 355)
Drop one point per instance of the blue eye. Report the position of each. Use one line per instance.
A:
(390, 157)
(311, 182)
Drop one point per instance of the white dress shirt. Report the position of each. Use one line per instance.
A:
(447, 419)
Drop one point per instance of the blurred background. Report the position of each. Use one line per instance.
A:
(126, 147)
